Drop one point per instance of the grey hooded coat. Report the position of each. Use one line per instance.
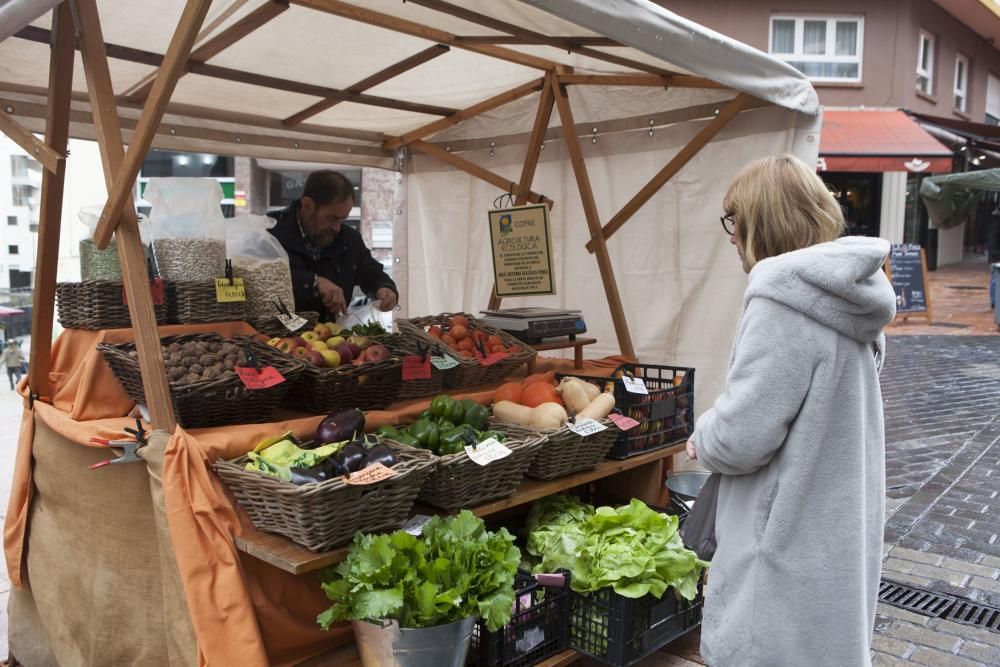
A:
(799, 438)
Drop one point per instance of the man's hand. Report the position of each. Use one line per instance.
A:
(332, 295)
(386, 299)
(692, 454)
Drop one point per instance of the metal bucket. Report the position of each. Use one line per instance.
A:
(385, 644)
(684, 487)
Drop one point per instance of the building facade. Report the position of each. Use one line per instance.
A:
(867, 61)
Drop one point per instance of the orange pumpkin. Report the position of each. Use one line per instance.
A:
(539, 392)
(510, 391)
(547, 378)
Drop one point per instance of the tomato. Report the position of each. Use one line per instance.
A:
(434, 332)
(459, 321)
(458, 332)
(466, 344)
(496, 348)
(494, 341)
(466, 354)
(449, 340)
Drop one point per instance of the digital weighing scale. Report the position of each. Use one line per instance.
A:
(533, 324)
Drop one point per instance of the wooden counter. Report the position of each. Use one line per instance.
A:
(286, 555)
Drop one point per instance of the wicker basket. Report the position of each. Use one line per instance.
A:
(196, 302)
(214, 402)
(371, 386)
(406, 344)
(327, 514)
(564, 451)
(273, 327)
(470, 372)
(459, 482)
(97, 304)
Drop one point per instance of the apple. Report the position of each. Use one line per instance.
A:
(376, 353)
(330, 358)
(321, 331)
(299, 340)
(361, 341)
(273, 342)
(318, 345)
(286, 345)
(302, 353)
(316, 357)
(310, 335)
(355, 350)
(335, 341)
(346, 355)
(334, 327)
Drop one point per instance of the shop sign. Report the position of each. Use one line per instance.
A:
(522, 251)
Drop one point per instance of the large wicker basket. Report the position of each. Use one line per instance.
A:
(194, 302)
(327, 514)
(564, 452)
(470, 372)
(459, 482)
(97, 304)
(372, 386)
(403, 344)
(214, 402)
(273, 327)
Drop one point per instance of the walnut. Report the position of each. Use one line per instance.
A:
(189, 360)
(174, 347)
(197, 369)
(191, 377)
(208, 359)
(176, 373)
(212, 372)
(229, 364)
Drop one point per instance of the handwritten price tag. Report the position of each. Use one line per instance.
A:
(487, 451)
(291, 321)
(444, 363)
(230, 292)
(155, 290)
(415, 526)
(376, 472)
(586, 426)
(416, 367)
(267, 376)
(635, 385)
(622, 422)
(491, 359)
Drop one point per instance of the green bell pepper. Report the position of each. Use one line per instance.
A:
(388, 431)
(408, 440)
(445, 425)
(426, 432)
(442, 406)
(427, 414)
(496, 435)
(454, 441)
(477, 416)
(456, 412)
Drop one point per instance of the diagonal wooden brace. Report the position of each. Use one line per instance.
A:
(34, 146)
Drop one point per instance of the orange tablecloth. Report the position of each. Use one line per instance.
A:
(243, 611)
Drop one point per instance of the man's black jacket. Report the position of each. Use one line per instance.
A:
(346, 262)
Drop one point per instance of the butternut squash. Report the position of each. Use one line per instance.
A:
(573, 395)
(599, 408)
(512, 413)
(544, 416)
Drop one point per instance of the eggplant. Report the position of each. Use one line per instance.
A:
(302, 476)
(333, 468)
(381, 453)
(340, 426)
(352, 457)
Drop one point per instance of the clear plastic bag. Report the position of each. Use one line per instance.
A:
(104, 264)
(188, 228)
(260, 260)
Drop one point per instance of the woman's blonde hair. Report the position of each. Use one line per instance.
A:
(779, 204)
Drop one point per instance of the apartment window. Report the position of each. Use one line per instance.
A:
(822, 48)
(23, 195)
(12, 221)
(961, 82)
(925, 64)
(992, 100)
(12, 249)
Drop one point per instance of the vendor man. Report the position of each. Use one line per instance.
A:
(327, 257)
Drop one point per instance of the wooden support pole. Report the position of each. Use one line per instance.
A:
(50, 216)
(474, 169)
(34, 146)
(728, 112)
(130, 252)
(673, 81)
(593, 219)
(166, 79)
(545, 103)
(467, 113)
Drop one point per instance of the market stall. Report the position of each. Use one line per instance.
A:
(615, 115)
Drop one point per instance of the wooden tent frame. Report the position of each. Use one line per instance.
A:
(152, 95)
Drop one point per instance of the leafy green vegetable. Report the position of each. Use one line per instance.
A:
(276, 459)
(632, 549)
(456, 570)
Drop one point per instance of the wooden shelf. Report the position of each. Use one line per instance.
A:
(286, 555)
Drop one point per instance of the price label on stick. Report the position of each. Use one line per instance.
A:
(376, 472)
(586, 426)
(487, 451)
(416, 367)
(291, 321)
(443, 363)
(266, 376)
(622, 422)
(634, 385)
(493, 358)
(230, 291)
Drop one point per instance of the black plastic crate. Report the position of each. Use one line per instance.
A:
(621, 631)
(538, 629)
(665, 414)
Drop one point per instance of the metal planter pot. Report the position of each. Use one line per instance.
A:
(385, 644)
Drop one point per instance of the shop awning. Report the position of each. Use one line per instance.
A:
(878, 141)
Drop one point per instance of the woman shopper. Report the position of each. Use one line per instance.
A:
(798, 434)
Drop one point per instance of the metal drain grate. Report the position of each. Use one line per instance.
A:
(936, 605)
(971, 613)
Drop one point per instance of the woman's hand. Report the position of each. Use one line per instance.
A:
(386, 299)
(691, 452)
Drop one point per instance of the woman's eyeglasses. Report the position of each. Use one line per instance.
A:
(728, 223)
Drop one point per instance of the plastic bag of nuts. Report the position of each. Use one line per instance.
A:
(260, 260)
(189, 234)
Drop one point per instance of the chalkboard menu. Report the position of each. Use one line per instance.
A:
(907, 270)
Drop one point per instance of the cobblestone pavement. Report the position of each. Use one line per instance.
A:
(942, 402)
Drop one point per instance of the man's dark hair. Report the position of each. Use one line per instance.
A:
(327, 186)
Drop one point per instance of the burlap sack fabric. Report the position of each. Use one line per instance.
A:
(101, 588)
